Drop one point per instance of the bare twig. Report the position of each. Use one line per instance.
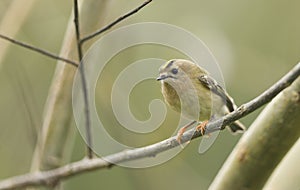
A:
(84, 83)
(48, 177)
(105, 28)
(39, 50)
(260, 100)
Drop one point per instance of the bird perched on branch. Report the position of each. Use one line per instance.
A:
(188, 89)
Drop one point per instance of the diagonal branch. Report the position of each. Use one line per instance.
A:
(88, 37)
(51, 176)
(260, 100)
(39, 50)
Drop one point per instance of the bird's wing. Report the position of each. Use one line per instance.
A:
(211, 84)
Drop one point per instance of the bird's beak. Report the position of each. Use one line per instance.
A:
(162, 77)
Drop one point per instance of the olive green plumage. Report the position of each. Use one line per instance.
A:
(188, 88)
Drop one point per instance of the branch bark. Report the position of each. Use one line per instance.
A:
(264, 145)
(52, 176)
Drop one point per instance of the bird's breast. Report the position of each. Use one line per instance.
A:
(193, 103)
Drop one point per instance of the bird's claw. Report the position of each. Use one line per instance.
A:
(202, 127)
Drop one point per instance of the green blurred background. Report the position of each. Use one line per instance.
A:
(255, 43)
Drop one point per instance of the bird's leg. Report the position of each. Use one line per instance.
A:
(202, 127)
(182, 130)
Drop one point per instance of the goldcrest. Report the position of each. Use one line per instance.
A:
(188, 89)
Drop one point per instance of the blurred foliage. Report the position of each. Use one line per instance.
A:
(254, 42)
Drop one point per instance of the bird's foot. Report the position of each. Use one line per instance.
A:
(202, 127)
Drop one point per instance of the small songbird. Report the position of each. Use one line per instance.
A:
(188, 89)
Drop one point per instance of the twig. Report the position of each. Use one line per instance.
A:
(84, 83)
(47, 177)
(260, 100)
(39, 50)
(90, 36)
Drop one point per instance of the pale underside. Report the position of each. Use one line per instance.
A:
(191, 105)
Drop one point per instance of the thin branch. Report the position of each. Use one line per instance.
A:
(88, 37)
(51, 176)
(260, 100)
(84, 83)
(39, 50)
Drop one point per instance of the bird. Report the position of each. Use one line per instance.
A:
(189, 89)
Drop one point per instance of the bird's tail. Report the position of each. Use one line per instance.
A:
(237, 127)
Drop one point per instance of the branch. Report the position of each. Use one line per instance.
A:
(39, 50)
(260, 100)
(84, 83)
(51, 176)
(88, 37)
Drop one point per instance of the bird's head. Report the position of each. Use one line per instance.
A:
(177, 71)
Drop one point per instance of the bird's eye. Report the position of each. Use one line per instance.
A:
(174, 71)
